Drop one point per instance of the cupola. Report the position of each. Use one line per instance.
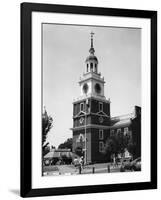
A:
(91, 60)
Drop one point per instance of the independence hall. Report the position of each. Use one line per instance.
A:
(92, 121)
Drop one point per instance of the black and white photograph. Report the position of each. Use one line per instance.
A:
(88, 99)
(91, 99)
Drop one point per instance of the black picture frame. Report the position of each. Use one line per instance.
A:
(26, 103)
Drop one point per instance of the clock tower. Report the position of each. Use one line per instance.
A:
(91, 112)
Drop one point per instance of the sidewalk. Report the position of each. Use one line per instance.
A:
(67, 169)
(89, 169)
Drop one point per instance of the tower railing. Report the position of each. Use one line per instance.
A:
(90, 95)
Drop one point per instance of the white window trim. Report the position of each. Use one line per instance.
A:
(126, 130)
(112, 132)
(80, 106)
(130, 133)
(118, 130)
(101, 136)
(101, 146)
(100, 103)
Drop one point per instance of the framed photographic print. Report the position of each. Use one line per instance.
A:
(88, 99)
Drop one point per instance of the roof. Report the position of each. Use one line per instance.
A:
(58, 154)
(121, 123)
(91, 57)
(49, 155)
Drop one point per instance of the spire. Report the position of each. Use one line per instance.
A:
(92, 39)
(91, 60)
(91, 50)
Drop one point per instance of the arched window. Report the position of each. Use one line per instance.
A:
(91, 66)
(82, 107)
(95, 67)
(87, 67)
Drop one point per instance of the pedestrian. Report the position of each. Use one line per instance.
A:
(114, 161)
(111, 160)
(108, 168)
(75, 162)
(81, 162)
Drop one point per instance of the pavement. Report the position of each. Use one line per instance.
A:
(71, 170)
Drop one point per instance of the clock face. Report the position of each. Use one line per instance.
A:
(98, 88)
(85, 88)
(101, 119)
(81, 120)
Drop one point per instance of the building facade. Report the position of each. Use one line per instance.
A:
(92, 122)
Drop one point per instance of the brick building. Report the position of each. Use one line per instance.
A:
(92, 122)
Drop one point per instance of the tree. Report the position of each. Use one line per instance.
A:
(116, 144)
(110, 145)
(132, 149)
(67, 144)
(47, 124)
(45, 149)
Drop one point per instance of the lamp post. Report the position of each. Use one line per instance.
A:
(85, 142)
(86, 110)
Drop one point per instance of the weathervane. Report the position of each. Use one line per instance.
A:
(92, 33)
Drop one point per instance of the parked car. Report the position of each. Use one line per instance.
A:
(136, 164)
(129, 164)
(125, 164)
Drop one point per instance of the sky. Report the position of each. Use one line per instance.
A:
(65, 48)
